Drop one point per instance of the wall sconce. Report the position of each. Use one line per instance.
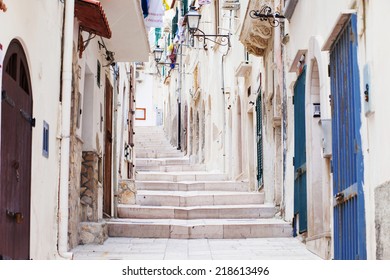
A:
(193, 19)
(266, 14)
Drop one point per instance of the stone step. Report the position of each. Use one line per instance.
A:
(197, 198)
(180, 176)
(139, 141)
(156, 148)
(162, 161)
(199, 228)
(149, 129)
(173, 154)
(171, 168)
(232, 186)
(158, 151)
(250, 211)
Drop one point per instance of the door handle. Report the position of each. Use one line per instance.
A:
(339, 196)
(17, 216)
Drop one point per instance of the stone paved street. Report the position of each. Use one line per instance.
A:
(195, 249)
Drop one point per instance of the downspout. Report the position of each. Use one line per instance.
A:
(115, 139)
(179, 98)
(224, 115)
(66, 91)
(284, 113)
(224, 96)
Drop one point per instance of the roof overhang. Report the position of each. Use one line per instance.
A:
(129, 39)
(255, 34)
(92, 18)
(298, 61)
(341, 20)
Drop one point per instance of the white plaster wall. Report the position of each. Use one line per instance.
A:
(38, 26)
(123, 108)
(90, 131)
(145, 91)
(375, 129)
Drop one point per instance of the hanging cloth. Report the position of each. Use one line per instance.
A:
(155, 14)
(145, 9)
(174, 23)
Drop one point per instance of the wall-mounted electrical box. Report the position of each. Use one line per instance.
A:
(326, 125)
(367, 92)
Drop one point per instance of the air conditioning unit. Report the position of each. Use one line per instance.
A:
(231, 5)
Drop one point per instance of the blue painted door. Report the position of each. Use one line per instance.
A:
(349, 221)
(300, 193)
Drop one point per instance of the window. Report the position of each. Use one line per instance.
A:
(45, 146)
(98, 70)
(79, 111)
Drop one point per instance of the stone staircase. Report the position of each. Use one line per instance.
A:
(176, 199)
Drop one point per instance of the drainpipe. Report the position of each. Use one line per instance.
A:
(66, 91)
(224, 96)
(114, 140)
(179, 99)
(224, 115)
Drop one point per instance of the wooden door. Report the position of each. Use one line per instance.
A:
(107, 198)
(15, 164)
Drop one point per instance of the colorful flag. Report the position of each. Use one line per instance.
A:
(166, 5)
(145, 4)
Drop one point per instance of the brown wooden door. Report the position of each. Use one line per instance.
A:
(108, 151)
(15, 164)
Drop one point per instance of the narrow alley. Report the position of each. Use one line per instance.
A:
(194, 130)
(184, 212)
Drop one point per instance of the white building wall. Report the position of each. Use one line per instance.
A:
(374, 57)
(91, 128)
(146, 99)
(43, 51)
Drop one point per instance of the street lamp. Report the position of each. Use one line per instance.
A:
(266, 14)
(193, 19)
(157, 53)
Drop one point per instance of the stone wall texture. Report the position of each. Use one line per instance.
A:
(126, 192)
(382, 221)
(89, 192)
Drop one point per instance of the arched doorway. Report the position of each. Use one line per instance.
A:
(15, 150)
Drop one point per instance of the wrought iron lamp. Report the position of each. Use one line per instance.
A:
(266, 14)
(157, 53)
(193, 19)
